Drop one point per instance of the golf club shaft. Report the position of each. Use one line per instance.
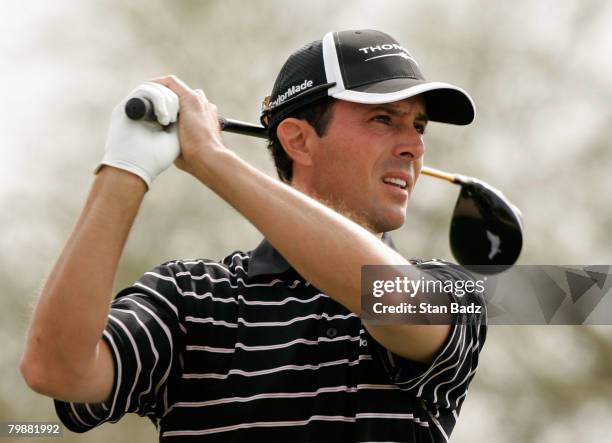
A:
(432, 172)
(243, 128)
(142, 109)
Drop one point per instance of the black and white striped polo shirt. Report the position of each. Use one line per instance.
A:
(246, 350)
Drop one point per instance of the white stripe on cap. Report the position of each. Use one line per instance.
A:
(376, 98)
(332, 66)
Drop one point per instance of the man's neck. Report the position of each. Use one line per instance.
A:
(340, 207)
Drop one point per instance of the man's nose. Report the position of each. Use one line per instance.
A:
(410, 145)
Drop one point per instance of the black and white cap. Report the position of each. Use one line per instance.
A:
(362, 66)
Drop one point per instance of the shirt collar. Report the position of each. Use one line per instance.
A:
(265, 260)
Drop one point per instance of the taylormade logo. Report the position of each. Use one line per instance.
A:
(280, 98)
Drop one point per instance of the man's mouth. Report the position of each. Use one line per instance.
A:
(394, 181)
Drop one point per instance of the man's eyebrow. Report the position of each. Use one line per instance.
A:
(396, 112)
(422, 116)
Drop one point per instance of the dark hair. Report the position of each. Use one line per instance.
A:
(318, 115)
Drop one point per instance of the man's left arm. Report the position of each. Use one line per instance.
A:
(325, 247)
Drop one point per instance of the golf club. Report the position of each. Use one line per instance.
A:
(486, 234)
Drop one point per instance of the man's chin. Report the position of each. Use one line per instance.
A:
(388, 227)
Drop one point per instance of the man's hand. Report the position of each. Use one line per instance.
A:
(199, 131)
(144, 148)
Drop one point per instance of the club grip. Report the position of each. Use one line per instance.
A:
(140, 108)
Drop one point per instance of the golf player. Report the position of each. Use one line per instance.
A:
(265, 345)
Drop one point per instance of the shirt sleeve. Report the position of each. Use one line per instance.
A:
(145, 336)
(444, 382)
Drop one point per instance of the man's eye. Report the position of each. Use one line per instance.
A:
(420, 128)
(382, 119)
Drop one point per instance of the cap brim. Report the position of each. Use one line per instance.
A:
(444, 102)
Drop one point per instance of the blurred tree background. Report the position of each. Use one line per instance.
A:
(540, 77)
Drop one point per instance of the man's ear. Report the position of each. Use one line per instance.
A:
(297, 137)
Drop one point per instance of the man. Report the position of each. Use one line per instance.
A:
(266, 345)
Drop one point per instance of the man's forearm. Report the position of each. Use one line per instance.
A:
(325, 247)
(73, 306)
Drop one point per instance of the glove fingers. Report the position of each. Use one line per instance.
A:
(171, 101)
(159, 98)
(159, 102)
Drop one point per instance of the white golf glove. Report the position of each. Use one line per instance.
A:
(141, 147)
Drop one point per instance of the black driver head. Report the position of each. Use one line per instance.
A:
(486, 234)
